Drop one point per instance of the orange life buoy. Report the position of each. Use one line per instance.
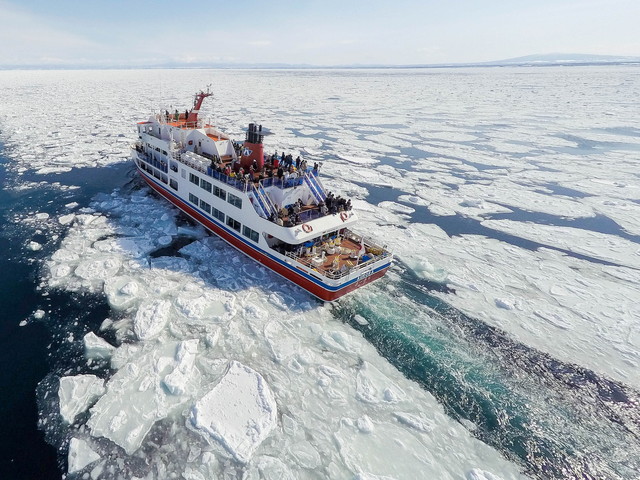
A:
(344, 216)
(307, 228)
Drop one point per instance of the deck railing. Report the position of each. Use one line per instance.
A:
(237, 182)
(177, 120)
(337, 274)
(160, 165)
(203, 165)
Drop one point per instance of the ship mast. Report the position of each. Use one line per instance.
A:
(197, 102)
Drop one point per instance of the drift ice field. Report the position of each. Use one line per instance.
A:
(503, 344)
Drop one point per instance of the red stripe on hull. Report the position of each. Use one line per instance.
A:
(301, 281)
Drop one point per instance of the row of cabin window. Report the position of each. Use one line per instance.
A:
(217, 191)
(231, 222)
(151, 147)
(156, 173)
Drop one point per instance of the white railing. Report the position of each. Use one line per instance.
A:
(353, 269)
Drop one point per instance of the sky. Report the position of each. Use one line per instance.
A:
(313, 32)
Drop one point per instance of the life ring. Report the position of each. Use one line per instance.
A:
(344, 216)
(307, 228)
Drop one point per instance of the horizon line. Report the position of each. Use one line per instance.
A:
(555, 59)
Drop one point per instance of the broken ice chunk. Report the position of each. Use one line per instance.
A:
(96, 347)
(34, 246)
(238, 413)
(176, 382)
(151, 319)
(80, 455)
(77, 393)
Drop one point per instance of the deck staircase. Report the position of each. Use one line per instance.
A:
(315, 187)
(264, 206)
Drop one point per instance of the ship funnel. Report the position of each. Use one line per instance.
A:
(253, 149)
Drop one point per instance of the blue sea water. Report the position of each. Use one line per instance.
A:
(552, 418)
(38, 350)
(24, 356)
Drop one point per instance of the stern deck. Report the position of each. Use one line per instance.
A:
(336, 258)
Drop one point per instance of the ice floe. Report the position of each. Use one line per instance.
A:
(239, 412)
(78, 393)
(34, 246)
(96, 347)
(80, 455)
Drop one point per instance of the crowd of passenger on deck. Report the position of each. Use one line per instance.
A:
(298, 213)
(283, 167)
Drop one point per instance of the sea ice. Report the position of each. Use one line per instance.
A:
(151, 319)
(80, 455)
(96, 347)
(34, 246)
(504, 152)
(136, 397)
(177, 381)
(242, 424)
(298, 353)
(66, 219)
(477, 474)
(77, 393)
(610, 248)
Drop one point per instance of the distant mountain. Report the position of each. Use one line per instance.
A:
(564, 59)
(548, 59)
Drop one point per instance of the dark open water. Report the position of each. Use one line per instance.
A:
(29, 353)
